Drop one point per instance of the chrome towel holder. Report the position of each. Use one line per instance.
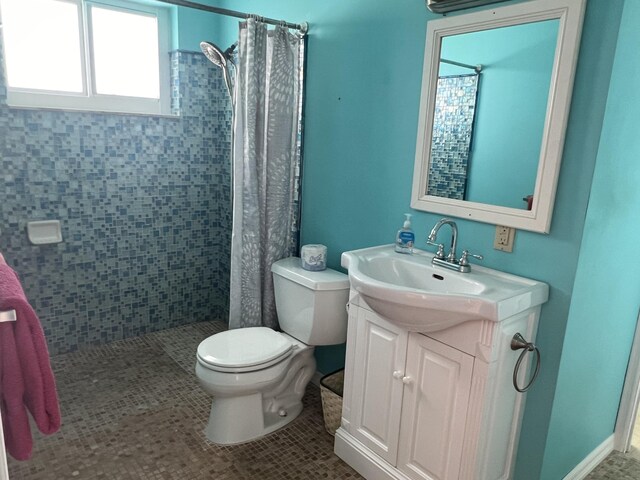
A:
(8, 316)
(519, 343)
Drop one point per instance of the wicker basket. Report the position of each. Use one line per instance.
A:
(331, 388)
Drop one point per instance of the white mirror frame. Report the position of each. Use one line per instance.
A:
(570, 14)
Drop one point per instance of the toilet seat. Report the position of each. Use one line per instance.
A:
(244, 350)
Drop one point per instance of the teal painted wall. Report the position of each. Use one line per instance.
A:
(363, 92)
(512, 103)
(606, 294)
(194, 26)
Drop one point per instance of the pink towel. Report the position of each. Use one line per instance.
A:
(26, 379)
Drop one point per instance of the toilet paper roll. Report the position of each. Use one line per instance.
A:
(314, 257)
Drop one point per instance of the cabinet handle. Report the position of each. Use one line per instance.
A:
(398, 374)
(406, 380)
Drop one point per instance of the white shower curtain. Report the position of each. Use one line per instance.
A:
(266, 166)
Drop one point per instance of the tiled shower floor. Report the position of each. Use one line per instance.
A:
(133, 410)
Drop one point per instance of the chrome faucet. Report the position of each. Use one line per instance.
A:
(454, 236)
(450, 261)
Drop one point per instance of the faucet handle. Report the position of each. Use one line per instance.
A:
(440, 252)
(465, 254)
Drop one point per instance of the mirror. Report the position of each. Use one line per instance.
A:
(492, 90)
(495, 97)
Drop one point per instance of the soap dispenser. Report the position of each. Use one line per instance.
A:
(405, 237)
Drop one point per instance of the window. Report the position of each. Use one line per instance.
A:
(85, 55)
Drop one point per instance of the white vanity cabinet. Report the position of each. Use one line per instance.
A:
(437, 406)
(437, 382)
(376, 383)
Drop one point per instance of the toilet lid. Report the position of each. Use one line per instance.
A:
(244, 347)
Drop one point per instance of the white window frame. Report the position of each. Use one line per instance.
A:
(89, 99)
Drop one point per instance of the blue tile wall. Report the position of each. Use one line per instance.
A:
(145, 209)
(452, 134)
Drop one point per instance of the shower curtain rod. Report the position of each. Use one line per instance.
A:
(477, 68)
(303, 27)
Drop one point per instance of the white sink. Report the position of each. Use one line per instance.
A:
(420, 297)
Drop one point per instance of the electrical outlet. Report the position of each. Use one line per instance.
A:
(504, 238)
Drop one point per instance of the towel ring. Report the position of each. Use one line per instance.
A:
(519, 343)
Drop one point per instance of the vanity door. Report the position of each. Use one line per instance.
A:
(434, 409)
(381, 349)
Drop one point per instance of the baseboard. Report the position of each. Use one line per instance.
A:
(592, 460)
(363, 460)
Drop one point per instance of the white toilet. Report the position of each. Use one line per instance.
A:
(257, 376)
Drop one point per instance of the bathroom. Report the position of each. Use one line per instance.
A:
(158, 256)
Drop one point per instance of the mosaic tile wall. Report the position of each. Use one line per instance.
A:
(452, 134)
(145, 207)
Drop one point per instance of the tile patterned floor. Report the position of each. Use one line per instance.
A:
(133, 410)
(617, 466)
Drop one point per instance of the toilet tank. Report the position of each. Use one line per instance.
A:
(311, 306)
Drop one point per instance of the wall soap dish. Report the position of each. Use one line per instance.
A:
(44, 232)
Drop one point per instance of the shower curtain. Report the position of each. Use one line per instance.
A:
(266, 167)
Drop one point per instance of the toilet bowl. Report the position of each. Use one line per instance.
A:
(258, 376)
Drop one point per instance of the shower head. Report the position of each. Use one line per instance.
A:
(220, 59)
(216, 55)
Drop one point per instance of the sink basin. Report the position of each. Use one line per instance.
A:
(420, 297)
